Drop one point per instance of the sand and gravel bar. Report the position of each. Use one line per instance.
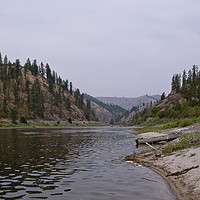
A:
(181, 169)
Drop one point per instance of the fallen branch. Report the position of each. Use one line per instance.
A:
(183, 171)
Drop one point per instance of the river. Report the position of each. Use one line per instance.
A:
(78, 163)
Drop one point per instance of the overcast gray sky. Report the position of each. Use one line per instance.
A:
(105, 47)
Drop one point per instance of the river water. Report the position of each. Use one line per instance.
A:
(75, 164)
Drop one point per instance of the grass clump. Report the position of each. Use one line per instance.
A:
(157, 125)
(185, 140)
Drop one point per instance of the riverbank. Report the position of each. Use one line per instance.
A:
(7, 124)
(180, 168)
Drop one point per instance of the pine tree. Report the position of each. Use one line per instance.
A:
(194, 80)
(77, 97)
(70, 88)
(27, 66)
(48, 72)
(88, 110)
(16, 93)
(68, 103)
(66, 83)
(162, 97)
(173, 85)
(17, 68)
(5, 107)
(1, 65)
(0, 59)
(5, 60)
(54, 77)
(42, 70)
(14, 115)
(35, 67)
(37, 102)
(184, 83)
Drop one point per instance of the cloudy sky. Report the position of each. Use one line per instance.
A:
(105, 47)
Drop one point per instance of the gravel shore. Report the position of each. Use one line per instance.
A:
(181, 169)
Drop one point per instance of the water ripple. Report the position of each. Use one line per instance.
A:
(74, 163)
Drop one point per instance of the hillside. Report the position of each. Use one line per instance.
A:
(107, 113)
(34, 91)
(128, 103)
(181, 107)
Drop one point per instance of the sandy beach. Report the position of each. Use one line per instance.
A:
(181, 169)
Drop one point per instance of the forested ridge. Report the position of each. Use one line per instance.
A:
(35, 91)
(182, 105)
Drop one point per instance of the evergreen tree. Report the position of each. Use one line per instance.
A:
(37, 101)
(59, 81)
(16, 93)
(50, 86)
(66, 83)
(27, 66)
(5, 60)
(178, 82)
(0, 59)
(11, 72)
(42, 70)
(70, 88)
(77, 97)
(189, 79)
(17, 68)
(82, 100)
(162, 96)
(68, 103)
(56, 98)
(88, 110)
(23, 120)
(4, 73)
(54, 77)
(1, 66)
(194, 80)
(35, 67)
(184, 83)
(14, 114)
(194, 73)
(48, 72)
(5, 107)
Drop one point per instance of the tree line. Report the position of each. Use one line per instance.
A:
(188, 84)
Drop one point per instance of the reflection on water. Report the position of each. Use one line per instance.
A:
(74, 163)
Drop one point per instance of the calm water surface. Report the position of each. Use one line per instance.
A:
(75, 164)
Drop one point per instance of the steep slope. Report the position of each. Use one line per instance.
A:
(128, 103)
(34, 95)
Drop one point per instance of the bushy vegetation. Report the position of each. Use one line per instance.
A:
(185, 140)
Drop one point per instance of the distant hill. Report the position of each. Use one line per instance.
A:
(128, 103)
(107, 113)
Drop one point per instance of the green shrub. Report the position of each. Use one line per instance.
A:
(185, 140)
(23, 120)
(185, 122)
(70, 120)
